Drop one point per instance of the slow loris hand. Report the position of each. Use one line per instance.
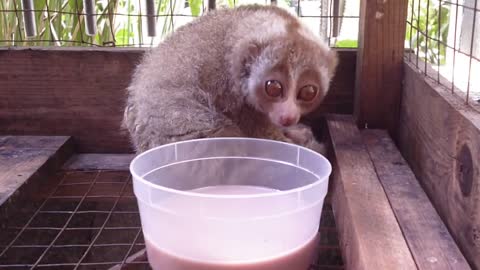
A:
(299, 134)
(303, 135)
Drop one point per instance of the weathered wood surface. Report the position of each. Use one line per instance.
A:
(120, 162)
(428, 238)
(67, 92)
(22, 157)
(370, 236)
(81, 93)
(440, 138)
(379, 63)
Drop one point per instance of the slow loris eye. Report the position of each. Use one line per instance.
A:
(308, 93)
(273, 88)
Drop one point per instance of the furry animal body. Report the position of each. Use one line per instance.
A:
(252, 71)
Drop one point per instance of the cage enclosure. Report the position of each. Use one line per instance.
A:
(401, 122)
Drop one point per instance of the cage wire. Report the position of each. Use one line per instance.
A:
(144, 23)
(444, 42)
(443, 36)
(90, 220)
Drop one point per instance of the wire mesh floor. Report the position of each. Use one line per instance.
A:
(90, 220)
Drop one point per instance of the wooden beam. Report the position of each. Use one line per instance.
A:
(370, 236)
(428, 238)
(379, 63)
(439, 136)
(23, 157)
(84, 95)
(117, 162)
(212, 4)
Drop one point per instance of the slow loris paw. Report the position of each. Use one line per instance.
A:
(272, 133)
(279, 137)
(299, 134)
(228, 131)
(303, 135)
(318, 147)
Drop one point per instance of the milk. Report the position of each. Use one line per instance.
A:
(297, 258)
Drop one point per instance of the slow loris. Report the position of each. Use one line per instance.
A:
(251, 71)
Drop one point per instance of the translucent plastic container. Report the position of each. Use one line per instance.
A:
(230, 203)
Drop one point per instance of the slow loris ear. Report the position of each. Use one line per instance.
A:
(244, 56)
(332, 62)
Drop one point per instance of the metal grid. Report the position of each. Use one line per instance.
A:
(90, 220)
(444, 37)
(144, 23)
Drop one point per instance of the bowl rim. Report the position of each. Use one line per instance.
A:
(320, 178)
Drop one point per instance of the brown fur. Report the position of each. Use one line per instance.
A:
(207, 78)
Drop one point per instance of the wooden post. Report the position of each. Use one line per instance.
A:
(151, 18)
(324, 20)
(212, 4)
(379, 73)
(90, 17)
(29, 18)
(338, 9)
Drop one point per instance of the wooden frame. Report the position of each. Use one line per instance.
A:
(440, 138)
(437, 134)
(385, 218)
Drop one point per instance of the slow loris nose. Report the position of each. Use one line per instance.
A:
(287, 120)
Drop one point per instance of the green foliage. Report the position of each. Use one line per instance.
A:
(429, 18)
(10, 26)
(346, 43)
(195, 7)
(58, 22)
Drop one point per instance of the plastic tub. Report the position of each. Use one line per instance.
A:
(230, 203)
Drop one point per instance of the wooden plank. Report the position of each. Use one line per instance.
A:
(428, 238)
(21, 158)
(439, 136)
(120, 162)
(80, 92)
(379, 63)
(370, 236)
(51, 143)
(67, 92)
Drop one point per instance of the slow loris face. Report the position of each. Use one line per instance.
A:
(285, 98)
(289, 78)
